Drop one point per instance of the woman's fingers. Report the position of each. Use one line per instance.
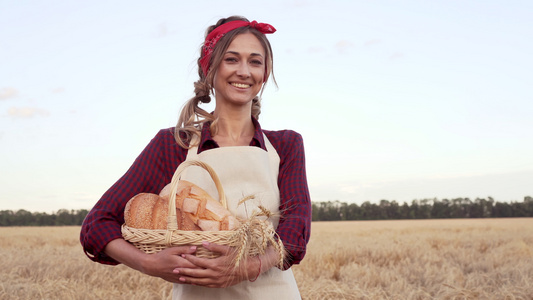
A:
(205, 277)
(197, 261)
(220, 263)
(176, 253)
(224, 250)
(180, 250)
(163, 263)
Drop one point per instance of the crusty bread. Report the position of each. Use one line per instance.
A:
(195, 210)
(150, 211)
(139, 211)
(205, 211)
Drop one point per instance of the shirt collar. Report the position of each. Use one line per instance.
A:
(207, 142)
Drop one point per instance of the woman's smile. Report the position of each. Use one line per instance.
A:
(240, 85)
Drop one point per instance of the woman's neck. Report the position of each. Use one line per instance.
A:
(234, 128)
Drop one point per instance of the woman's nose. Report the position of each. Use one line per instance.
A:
(243, 69)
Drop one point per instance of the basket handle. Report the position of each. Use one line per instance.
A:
(172, 221)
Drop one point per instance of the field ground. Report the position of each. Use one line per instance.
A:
(416, 259)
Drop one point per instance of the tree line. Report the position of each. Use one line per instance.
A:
(422, 209)
(62, 217)
(331, 211)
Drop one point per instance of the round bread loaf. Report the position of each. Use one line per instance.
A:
(150, 211)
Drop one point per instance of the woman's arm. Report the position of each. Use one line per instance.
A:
(294, 228)
(150, 172)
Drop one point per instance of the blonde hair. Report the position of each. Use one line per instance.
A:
(192, 117)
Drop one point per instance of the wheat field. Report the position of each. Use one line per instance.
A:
(416, 259)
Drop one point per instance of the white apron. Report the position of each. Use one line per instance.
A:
(243, 171)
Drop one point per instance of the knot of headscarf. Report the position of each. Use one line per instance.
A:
(214, 36)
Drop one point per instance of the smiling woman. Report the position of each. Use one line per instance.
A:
(232, 37)
(260, 170)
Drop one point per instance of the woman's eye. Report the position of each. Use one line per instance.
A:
(231, 59)
(257, 62)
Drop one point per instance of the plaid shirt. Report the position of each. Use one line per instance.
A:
(155, 166)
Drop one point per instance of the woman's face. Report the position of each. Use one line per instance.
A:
(239, 76)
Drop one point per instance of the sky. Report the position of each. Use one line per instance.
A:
(396, 100)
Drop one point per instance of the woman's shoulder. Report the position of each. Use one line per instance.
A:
(165, 138)
(285, 141)
(166, 147)
(166, 134)
(285, 135)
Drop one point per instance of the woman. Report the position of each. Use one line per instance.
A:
(234, 64)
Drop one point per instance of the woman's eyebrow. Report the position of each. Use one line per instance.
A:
(237, 53)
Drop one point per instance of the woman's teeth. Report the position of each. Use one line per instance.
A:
(240, 85)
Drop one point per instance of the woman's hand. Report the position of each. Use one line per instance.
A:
(218, 272)
(159, 264)
(163, 263)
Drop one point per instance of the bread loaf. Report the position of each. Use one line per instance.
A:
(205, 211)
(150, 211)
(195, 210)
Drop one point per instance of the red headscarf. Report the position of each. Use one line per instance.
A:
(214, 36)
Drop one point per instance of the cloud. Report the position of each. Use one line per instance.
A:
(315, 50)
(343, 45)
(8, 92)
(396, 56)
(163, 30)
(372, 42)
(349, 189)
(58, 90)
(27, 112)
(357, 187)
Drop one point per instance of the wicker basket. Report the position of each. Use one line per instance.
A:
(251, 238)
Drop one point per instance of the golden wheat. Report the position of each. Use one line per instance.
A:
(419, 259)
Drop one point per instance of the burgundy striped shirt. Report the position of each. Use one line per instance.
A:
(155, 166)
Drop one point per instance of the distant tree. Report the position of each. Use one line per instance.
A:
(502, 210)
(384, 207)
(23, 217)
(441, 209)
(415, 210)
(6, 218)
(314, 212)
(425, 209)
(394, 210)
(353, 212)
(528, 206)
